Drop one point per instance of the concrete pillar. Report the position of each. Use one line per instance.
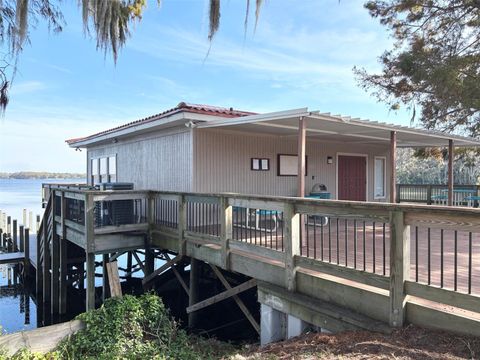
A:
(295, 326)
(272, 325)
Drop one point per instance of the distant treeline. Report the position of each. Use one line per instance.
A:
(40, 175)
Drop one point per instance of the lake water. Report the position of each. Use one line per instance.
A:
(17, 310)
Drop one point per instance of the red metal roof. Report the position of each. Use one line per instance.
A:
(181, 107)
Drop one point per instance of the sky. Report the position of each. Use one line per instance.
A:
(301, 55)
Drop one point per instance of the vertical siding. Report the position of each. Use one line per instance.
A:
(156, 161)
(222, 163)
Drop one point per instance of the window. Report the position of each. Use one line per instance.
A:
(103, 170)
(380, 177)
(112, 168)
(260, 164)
(94, 171)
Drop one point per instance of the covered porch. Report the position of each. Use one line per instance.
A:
(353, 178)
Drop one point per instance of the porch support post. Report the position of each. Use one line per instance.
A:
(450, 172)
(302, 132)
(393, 165)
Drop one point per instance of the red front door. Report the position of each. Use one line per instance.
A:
(352, 178)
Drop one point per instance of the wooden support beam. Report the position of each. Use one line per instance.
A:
(222, 296)
(139, 262)
(63, 257)
(55, 279)
(237, 299)
(178, 276)
(129, 264)
(393, 166)
(90, 256)
(113, 279)
(194, 294)
(291, 241)
(90, 289)
(399, 267)
(451, 156)
(161, 269)
(302, 132)
(105, 276)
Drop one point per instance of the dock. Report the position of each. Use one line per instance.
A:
(336, 265)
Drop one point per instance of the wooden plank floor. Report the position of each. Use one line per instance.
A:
(371, 253)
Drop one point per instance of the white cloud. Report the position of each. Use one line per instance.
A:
(27, 87)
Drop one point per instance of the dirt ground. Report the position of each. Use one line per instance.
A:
(408, 343)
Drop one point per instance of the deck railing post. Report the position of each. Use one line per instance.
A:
(292, 245)
(89, 250)
(225, 230)
(429, 194)
(399, 267)
(182, 225)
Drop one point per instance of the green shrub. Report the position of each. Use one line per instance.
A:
(132, 328)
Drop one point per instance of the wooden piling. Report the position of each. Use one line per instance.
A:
(26, 245)
(63, 259)
(14, 236)
(194, 287)
(105, 258)
(22, 238)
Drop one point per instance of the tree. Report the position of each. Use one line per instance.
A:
(110, 19)
(434, 64)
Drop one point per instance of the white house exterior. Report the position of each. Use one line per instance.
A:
(201, 148)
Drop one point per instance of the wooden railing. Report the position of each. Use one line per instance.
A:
(375, 258)
(436, 194)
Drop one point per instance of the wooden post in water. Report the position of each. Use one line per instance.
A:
(37, 224)
(9, 225)
(22, 238)
(27, 251)
(30, 220)
(24, 218)
(14, 236)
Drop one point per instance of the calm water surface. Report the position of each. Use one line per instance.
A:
(17, 309)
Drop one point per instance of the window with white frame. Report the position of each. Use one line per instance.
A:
(94, 171)
(380, 177)
(103, 169)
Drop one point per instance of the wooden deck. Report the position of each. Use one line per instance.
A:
(376, 257)
(348, 262)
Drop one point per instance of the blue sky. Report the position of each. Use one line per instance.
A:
(302, 54)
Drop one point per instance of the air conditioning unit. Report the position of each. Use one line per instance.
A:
(116, 212)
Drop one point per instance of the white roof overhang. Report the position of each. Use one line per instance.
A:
(327, 127)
